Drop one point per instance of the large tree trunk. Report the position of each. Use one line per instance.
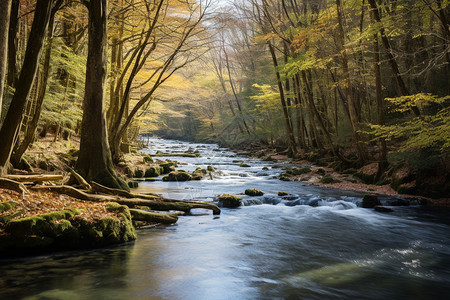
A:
(11, 125)
(5, 9)
(94, 161)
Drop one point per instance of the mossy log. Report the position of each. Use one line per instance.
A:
(156, 203)
(153, 217)
(34, 178)
(106, 190)
(98, 188)
(12, 185)
(178, 154)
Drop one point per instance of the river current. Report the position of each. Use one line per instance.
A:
(315, 244)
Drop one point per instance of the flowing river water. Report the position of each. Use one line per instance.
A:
(316, 244)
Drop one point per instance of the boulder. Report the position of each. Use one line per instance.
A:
(370, 201)
(382, 209)
(328, 179)
(177, 176)
(281, 194)
(229, 201)
(153, 171)
(132, 184)
(253, 192)
(167, 166)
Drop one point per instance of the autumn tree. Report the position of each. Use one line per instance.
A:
(94, 161)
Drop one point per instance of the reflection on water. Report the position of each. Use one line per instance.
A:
(321, 247)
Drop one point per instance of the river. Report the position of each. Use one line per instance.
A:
(316, 244)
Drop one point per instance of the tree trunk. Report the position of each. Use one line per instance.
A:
(382, 164)
(94, 161)
(234, 91)
(11, 125)
(5, 10)
(21, 147)
(287, 121)
(391, 59)
(12, 44)
(347, 90)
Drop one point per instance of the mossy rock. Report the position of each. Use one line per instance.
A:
(147, 159)
(128, 171)
(229, 201)
(110, 228)
(328, 179)
(63, 214)
(33, 225)
(200, 171)
(210, 168)
(370, 201)
(285, 176)
(177, 176)
(153, 171)
(139, 173)
(281, 194)
(244, 165)
(5, 218)
(300, 171)
(132, 184)
(167, 166)
(253, 192)
(8, 205)
(265, 168)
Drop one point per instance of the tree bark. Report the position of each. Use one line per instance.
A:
(12, 44)
(5, 10)
(382, 164)
(161, 204)
(287, 121)
(354, 118)
(22, 146)
(153, 217)
(94, 161)
(11, 125)
(391, 59)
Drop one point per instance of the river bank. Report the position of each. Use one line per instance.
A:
(396, 181)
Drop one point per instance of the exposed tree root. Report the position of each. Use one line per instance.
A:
(153, 217)
(12, 185)
(139, 200)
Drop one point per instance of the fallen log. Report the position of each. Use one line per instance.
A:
(34, 178)
(153, 217)
(98, 188)
(178, 154)
(106, 190)
(130, 202)
(12, 185)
